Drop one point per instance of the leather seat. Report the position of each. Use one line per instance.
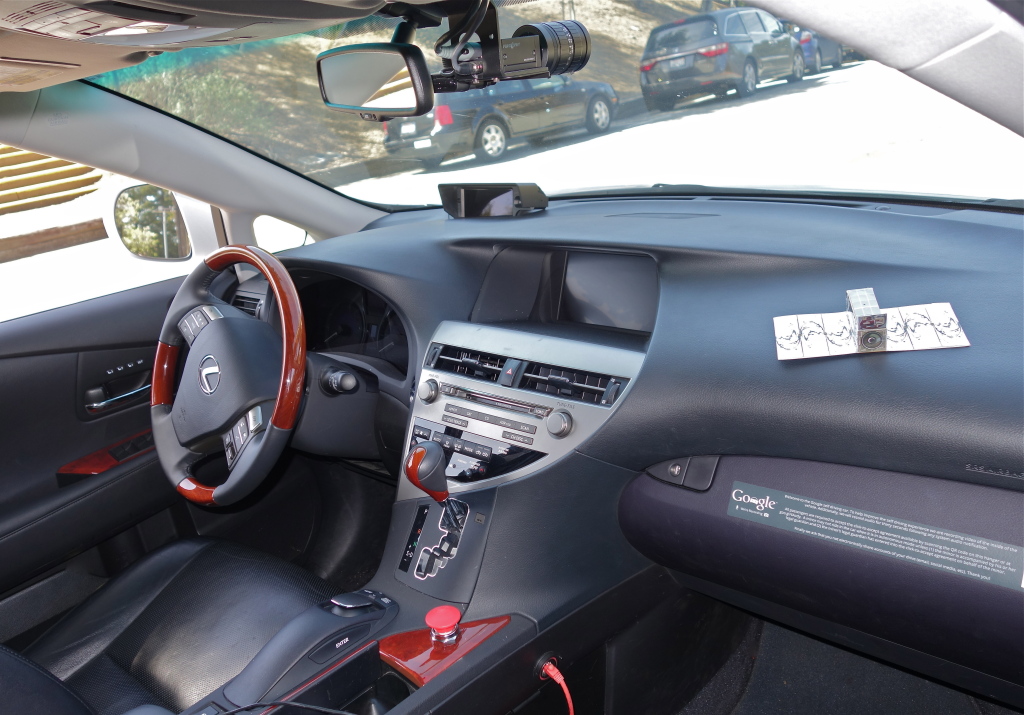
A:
(174, 627)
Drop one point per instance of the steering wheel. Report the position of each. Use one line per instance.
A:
(241, 386)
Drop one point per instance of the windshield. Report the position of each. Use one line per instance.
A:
(725, 99)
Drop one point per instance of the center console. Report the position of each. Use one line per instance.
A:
(504, 403)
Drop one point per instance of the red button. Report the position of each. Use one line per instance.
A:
(443, 619)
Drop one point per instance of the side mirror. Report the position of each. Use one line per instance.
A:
(376, 81)
(149, 223)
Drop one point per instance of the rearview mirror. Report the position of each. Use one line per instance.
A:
(376, 81)
(149, 223)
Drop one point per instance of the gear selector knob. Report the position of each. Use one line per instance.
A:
(425, 469)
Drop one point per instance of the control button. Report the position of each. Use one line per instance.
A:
(352, 600)
(255, 419)
(447, 389)
(339, 643)
(700, 473)
(509, 372)
(454, 421)
(540, 411)
(459, 446)
(443, 622)
(421, 432)
(438, 436)
(185, 328)
(611, 392)
(559, 423)
(428, 391)
(513, 437)
(336, 381)
(242, 431)
(229, 449)
(671, 471)
(447, 441)
(199, 320)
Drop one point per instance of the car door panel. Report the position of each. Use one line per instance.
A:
(48, 363)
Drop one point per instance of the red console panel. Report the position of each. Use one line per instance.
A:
(421, 659)
(109, 457)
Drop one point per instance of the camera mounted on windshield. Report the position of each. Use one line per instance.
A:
(381, 81)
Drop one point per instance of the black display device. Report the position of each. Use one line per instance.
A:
(491, 200)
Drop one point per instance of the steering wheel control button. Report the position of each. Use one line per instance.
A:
(443, 622)
(428, 391)
(254, 417)
(230, 452)
(191, 325)
(559, 424)
(340, 643)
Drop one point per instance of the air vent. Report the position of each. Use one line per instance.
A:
(249, 303)
(569, 384)
(471, 363)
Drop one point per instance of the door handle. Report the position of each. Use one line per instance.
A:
(114, 402)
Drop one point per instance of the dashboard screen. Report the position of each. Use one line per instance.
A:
(610, 290)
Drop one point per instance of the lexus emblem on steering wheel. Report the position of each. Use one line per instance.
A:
(209, 374)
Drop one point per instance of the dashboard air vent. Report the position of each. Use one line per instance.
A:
(471, 363)
(569, 384)
(249, 303)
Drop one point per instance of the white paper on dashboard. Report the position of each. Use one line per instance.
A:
(916, 327)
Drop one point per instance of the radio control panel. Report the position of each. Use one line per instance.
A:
(504, 403)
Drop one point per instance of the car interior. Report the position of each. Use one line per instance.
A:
(512, 452)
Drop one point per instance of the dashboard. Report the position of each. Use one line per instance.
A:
(649, 324)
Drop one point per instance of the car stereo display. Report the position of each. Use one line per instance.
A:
(610, 290)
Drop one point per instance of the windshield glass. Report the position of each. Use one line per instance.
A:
(671, 95)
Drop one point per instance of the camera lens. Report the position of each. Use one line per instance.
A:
(871, 340)
(564, 45)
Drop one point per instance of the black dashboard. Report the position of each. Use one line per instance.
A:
(683, 292)
(710, 383)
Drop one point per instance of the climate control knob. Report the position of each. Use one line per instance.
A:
(559, 423)
(429, 391)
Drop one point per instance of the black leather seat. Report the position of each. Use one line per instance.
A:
(172, 628)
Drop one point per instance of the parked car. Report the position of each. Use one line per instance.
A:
(819, 51)
(716, 52)
(485, 121)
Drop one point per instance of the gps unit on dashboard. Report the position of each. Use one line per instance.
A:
(491, 200)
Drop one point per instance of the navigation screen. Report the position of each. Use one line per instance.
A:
(610, 290)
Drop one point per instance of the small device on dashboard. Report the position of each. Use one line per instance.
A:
(489, 200)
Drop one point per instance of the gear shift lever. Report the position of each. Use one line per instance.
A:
(425, 469)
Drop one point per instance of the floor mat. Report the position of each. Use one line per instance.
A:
(787, 673)
(797, 674)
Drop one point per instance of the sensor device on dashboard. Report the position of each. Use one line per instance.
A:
(490, 200)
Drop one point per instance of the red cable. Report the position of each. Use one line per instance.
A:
(552, 672)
